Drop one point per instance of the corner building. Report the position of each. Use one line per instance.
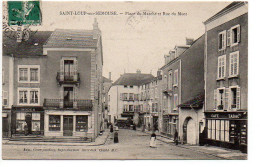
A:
(226, 76)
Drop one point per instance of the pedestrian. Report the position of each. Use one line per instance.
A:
(153, 140)
(116, 137)
(111, 128)
(26, 129)
(134, 127)
(176, 137)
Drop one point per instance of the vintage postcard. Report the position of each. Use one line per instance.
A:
(124, 80)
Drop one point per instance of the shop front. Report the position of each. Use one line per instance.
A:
(227, 129)
(27, 121)
(170, 125)
(68, 123)
(6, 123)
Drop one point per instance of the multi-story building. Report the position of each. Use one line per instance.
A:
(182, 82)
(171, 91)
(107, 83)
(57, 82)
(226, 69)
(127, 96)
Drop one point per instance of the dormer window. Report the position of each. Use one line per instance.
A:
(69, 39)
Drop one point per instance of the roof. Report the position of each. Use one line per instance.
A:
(232, 5)
(134, 79)
(32, 47)
(65, 38)
(106, 79)
(196, 102)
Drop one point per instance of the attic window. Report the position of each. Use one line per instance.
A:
(68, 39)
(36, 44)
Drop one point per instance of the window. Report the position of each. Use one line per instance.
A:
(219, 97)
(23, 74)
(175, 101)
(125, 86)
(125, 96)
(234, 64)
(222, 40)
(131, 87)
(131, 108)
(234, 35)
(170, 80)
(131, 96)
(5, 98)
(28, 96)
(28, 73)
(36, 117)
(54, 122)
(209, 129)
(175, 78)
(125, 108)
(221, 66)
(235, 97)
(136, 97)
(34, 74)
(23, 97)
(81, 123)
(20, 121)
(34, 97)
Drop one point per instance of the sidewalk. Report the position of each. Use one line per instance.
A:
(100, 140)
(224, 153)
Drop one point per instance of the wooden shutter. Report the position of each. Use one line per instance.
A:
(228, 37)
(238, 33)
(224, 39)
(62, 65)
(238, 98)
(215, 98)
(237, 56)
(226, 98)
(176, 77)
(75, 65)
(75, 92)
(121, 96)
(224, 64)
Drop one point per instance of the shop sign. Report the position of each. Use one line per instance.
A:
(27, 109)
(239, 115)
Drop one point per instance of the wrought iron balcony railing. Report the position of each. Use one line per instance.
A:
(85, 105)
(68, 77)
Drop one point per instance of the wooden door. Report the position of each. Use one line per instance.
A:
(67, 125)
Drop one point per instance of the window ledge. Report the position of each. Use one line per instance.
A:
(235, 76)
(234, 44)
(220, 79)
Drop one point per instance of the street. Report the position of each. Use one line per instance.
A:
(132, 145)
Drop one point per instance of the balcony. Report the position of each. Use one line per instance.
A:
(68, 78)
(77, 104)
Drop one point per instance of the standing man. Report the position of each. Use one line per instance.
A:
(176, 136)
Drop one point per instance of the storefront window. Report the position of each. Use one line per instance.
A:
(222, 130)
(36, 117)
(213, 130)
(217, 129)
(82, 123)
(20, 121)
(209, 129)
(54, 123)
(227, 131)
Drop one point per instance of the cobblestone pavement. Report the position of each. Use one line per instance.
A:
(132, 145)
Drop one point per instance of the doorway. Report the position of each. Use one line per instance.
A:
(67, 125)
(68, 70)
(189, 131)
(28, 120)
(68, 97)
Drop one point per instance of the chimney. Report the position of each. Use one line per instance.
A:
(189, 41)
(95, 29)
(110, 75)
(138, 71)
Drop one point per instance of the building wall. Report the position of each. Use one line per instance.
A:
(212, 60)
(192, 70)
(197, 116)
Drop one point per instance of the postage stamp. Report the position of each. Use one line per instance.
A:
(24, 13)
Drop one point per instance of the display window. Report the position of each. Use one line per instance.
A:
(82, 123)
(54, 122)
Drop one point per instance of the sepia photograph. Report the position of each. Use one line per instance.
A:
(126, 80)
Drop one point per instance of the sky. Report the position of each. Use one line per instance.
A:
(133, 42)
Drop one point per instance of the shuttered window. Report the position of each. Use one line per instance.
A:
(221, 67)
(235, 35)
(222, 40)
(5, 98)
(234, 64)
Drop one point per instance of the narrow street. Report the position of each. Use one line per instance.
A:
(132, 145)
